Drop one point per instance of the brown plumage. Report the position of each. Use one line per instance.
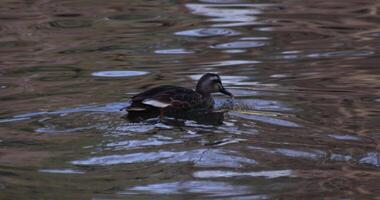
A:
(178, 99)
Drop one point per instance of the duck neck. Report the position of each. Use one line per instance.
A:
(204, 94)
(207, 100)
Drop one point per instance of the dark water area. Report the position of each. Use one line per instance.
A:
(304, 125)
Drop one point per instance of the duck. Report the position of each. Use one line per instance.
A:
(175, 99)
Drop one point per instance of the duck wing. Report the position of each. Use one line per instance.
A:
(166, 95)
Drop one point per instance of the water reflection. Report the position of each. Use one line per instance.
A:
(266, 174)
(230, 63)
(239, 44)
(135, 144)
(173, 51)
(208, 32)
(345, 137)
(61, 171)
(70, 23)
(305, 113)
(234, 51)
(200, 158)
(233, 15)
(119, 73)
(265, 119)
(200, 116)
(213, 188)
(371, 158)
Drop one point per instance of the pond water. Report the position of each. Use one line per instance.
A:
(305, 121)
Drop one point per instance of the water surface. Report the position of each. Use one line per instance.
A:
(304, 125)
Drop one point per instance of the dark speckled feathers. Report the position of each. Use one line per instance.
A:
(164, 92)
(167, 97)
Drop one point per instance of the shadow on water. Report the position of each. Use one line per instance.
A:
(208, 117)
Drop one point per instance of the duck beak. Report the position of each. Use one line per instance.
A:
(224, 91)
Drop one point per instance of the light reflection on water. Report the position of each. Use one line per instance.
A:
(266, 174)
(200, 158)
(239, 45)
(305, 112)
(61, 171)
(173, 51)
(119, 73)
(212, 188)
(232, 15)
(208, 32)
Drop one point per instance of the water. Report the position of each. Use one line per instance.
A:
(304, 125)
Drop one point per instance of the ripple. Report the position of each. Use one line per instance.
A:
(66, 130)
(234, 51)
(231, 80)
(228, 174)
(124, 159)
(375, 34)
(210, 158)
(16, 44)
(300, 154)
(224, 142)
(254, 38)
(134, 17)
(291, 52)
(260, 104)
(134, 144)
(289, 55)
(233, 14)
(61, 171)
(111, 107)
(239, 92)
(198, 187)
(232, 62)
(200, 157)
(148, 126)
(49, 73)
(266, 119)
(136, 21)
(345, 137)
(119, 73)
(208, 32)
(340, 157)
(239, 45)
(279, 76)
(348, 53)
(133, 128)
(13, 119)
(310, 154)
(173, 51)
(371, 158)
(70, 23)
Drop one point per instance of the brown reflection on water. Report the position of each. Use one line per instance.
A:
(304, 124)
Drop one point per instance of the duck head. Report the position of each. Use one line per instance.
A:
(211, 83)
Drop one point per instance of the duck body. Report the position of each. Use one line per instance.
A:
(170, 98)
(175, 99)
